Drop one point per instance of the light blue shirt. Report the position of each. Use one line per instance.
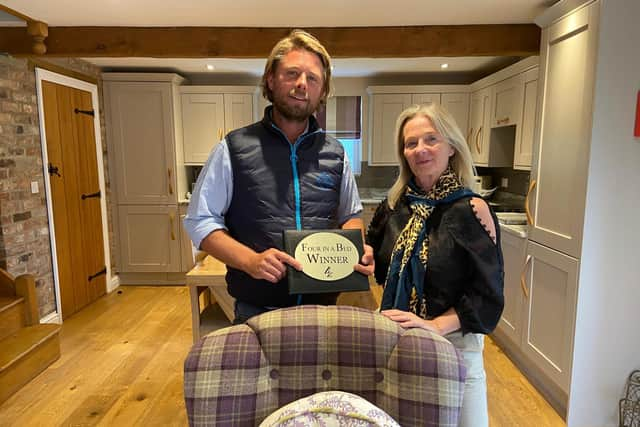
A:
(214, 189)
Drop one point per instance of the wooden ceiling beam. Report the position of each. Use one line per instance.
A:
(36, 30)
(236, 42)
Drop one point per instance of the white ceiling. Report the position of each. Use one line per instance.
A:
(283, 13)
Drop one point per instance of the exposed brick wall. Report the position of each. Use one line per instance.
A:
(24, 229)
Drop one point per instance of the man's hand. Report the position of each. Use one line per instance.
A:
(271, 265)
(367, 264)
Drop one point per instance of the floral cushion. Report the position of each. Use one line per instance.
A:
(330, 408)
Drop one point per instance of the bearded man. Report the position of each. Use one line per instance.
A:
(283, 172)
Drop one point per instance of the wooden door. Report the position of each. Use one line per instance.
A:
(75, 195)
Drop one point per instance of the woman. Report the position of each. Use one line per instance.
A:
(437, 246)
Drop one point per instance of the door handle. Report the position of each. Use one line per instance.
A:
(523, 282)
(478, 139)
(92, 195)
(526, 202)
(170, 184)
(469, 135)
(173, 235)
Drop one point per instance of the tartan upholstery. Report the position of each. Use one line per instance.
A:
(238, 375)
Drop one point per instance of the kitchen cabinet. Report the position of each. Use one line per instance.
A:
(425, 98)
(556, 202)
(550, 312)
(387, 102)
(142, 112)
(561, 157)
(513, 316)
(209, 113)
(458, 105)
(385, 111)
(140, 130)
(507, 102)
(488, 149)
(523, 149)
(149, 238)
(187, 258)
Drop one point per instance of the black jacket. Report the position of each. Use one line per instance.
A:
(465, 269)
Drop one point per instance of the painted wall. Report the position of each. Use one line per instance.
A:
(607, 341)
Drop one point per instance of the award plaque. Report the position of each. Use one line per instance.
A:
(327, 258)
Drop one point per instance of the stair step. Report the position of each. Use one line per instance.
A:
(25, 354)
(11, 315)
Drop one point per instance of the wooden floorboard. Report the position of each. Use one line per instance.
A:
(121, 365)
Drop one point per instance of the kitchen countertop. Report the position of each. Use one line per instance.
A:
(372, 195)
(516, 230)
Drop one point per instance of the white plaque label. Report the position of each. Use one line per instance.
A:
(327, 256)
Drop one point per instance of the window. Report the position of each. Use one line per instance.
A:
(342, 119)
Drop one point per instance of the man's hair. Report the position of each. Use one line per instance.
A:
(298, 39)
(461, 162)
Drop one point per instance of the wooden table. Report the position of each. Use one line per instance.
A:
(207, 287)
(208, 275)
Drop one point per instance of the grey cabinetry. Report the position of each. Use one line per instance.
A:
(141, 116)
(513, 316)
(209, 113)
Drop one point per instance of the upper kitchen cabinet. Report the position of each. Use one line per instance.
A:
(502, 116)
(140, 116)
(561, 157)
(478, 134)
(384, 112)
(387, 102)
(209, 113)
(507, 101)
(523, 149)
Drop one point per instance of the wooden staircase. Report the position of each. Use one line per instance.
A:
(26, 346)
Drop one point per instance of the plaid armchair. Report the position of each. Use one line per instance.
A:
(238, 375)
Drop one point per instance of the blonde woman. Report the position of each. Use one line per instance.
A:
(437, 246)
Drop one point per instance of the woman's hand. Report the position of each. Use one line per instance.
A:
(406, 319)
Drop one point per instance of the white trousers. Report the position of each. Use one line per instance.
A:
(474, 402)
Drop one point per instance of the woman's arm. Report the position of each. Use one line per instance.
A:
(482, 300)
(444, 324)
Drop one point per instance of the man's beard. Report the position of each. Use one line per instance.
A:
(296, 113)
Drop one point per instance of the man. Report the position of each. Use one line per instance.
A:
(280, 173)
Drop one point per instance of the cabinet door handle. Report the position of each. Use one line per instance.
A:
(170, 184)
(523, 282)
(219, 134)
(478, 139)
(526, 202)
(469, 135)
(173, 235)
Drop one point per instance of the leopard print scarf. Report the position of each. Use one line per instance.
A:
(404, 289)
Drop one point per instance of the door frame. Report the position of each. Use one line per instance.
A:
(46, 75)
